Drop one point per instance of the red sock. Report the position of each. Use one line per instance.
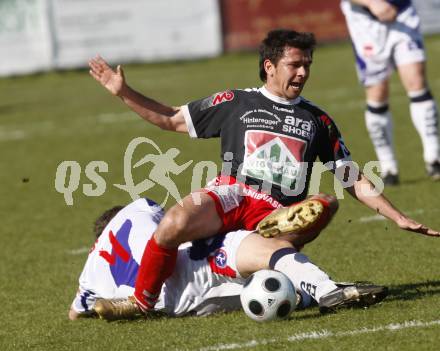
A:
(156, 266)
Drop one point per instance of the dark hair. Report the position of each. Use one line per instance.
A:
(272, 47)
(102, 221)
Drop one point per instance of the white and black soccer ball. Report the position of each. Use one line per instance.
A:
(268, 295)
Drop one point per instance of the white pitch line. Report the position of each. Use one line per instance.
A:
(79, 251)
(20, 132)
(323, 334)
(12, 135)
(43, 128)
(372, 218)
(46, 125)
(378, 217)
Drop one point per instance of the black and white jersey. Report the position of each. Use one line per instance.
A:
(268, 141)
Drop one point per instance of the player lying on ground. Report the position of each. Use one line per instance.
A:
(209, 273)
(270, 137)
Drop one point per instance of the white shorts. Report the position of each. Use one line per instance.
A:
(205, 279)
(380, 47)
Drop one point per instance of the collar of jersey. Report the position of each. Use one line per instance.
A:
(263, 90)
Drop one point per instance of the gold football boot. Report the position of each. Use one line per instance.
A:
(291, 220)
(117, 309)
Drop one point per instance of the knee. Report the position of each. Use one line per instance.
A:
(378, 93)
(172, 230)
(416, 83)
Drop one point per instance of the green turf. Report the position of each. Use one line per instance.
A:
(49, 118)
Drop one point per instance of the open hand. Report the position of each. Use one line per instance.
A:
(411, 225)
(113, 81)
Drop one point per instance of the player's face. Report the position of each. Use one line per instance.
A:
(288, 77)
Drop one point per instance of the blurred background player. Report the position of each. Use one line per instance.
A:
(386, 35)
(209, 274)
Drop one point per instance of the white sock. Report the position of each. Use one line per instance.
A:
(380, 127)
(424, 115)
(308, 279)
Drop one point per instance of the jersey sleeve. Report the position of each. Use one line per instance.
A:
(205, 118)
(331, 147)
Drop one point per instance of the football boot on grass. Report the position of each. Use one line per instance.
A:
(433, 170)
(391, 179)
(349, 295)
(118, 309)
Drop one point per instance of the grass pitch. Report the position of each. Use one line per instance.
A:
(49, 118)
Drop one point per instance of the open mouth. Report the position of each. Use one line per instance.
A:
(296, 85)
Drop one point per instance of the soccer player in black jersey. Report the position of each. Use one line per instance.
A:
(270, 137)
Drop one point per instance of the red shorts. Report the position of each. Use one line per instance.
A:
(238, 205)
(241, 207)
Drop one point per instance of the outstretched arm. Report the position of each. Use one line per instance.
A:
(383, 10)
(364, 191)
(165, 117)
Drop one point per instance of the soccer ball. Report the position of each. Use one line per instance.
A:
(268, 295)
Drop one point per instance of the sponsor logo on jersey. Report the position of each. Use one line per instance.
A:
(218, 264)
(222, 97)
(220, 258)
(274, 158)
(217, 99)
(283, 109)
(298, 126)
(260, 118)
